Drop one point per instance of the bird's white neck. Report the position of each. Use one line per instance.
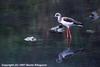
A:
(59, 19)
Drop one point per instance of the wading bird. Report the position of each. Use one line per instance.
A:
(67, 22)
(33, 39)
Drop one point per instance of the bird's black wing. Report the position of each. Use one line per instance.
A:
(68, 20)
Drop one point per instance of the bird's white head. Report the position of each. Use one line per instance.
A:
(57, 15)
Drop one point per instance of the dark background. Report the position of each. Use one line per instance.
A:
(22, 18)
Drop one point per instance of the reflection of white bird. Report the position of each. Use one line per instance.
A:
(30, 39)
(63, 54)
(66, 52)
(67, 22)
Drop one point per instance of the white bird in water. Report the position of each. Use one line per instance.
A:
(94, 15)
(90, 31)
(58, 29)
(33, 39)
(67, 22)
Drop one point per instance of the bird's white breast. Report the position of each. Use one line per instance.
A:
(67, 24)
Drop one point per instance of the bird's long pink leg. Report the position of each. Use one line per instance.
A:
(66, 35)
(70, 38)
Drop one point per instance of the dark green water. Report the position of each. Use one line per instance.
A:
(13, 49)
(22, 18)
